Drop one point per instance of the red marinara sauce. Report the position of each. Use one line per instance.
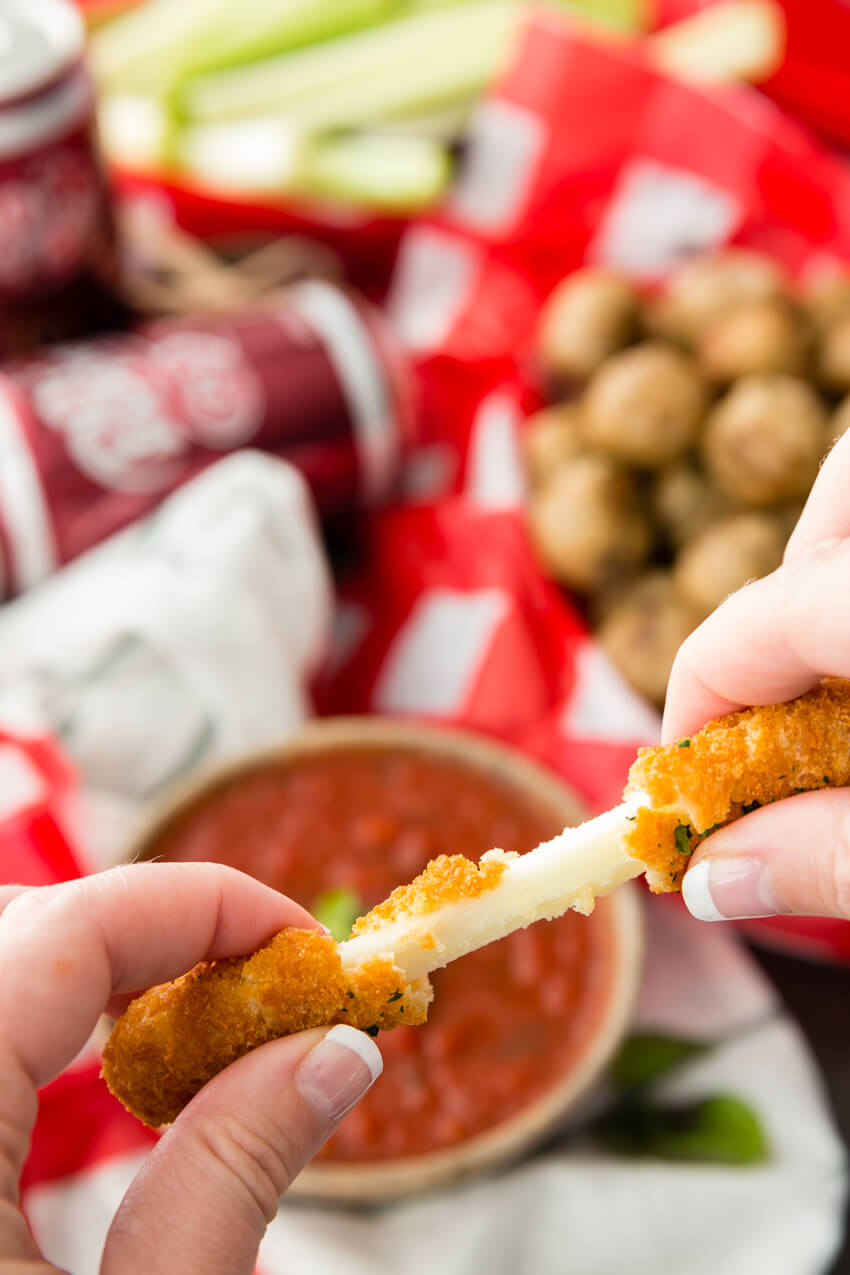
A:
(507, 1020)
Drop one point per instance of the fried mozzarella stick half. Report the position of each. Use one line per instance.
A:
(176, 1037)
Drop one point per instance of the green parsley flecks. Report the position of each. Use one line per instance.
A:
(682, 838)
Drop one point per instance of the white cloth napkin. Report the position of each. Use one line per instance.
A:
(187, 639)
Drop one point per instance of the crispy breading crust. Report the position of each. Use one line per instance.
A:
(446, 879)
(741, 761)
(175, 1037)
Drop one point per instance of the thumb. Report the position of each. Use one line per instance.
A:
(205, 1195)
(791, 857)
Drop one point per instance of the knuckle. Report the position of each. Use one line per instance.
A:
(25, 908)
(260, 1161)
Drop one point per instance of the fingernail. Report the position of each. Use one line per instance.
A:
(338, 1071)
(729, 888)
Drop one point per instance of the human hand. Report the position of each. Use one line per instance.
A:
(770, 641)
(211, 1185)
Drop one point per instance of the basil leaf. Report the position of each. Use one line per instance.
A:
(646, 1056)
(338, 910)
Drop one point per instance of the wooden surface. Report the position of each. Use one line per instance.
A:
(818, 997)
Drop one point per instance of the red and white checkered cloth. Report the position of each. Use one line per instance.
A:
(583, 152)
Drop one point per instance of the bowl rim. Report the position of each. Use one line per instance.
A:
(371, 1182)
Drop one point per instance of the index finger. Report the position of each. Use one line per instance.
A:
(770, 641)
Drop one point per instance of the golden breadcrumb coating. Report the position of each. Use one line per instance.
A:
(174, 1038)
(744, 760)
(446, 879)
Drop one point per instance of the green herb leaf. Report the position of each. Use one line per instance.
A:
(646, 1056)
(373, 1030)
(682, 838)
(396, 996)
(750, 807)
(719, 1130)
(684, 743)
(338, 910)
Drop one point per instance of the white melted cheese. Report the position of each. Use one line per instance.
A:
(570, 871)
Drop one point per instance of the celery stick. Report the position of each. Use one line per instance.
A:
(153, 49)
(135, 131)
(408, 65)
(392, 174)
(445, 124)
(150, 38)
(243, 157)
(260, 28)
(268, 157)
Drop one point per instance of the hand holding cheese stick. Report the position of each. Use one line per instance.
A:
(203, 1198)
(770, 641)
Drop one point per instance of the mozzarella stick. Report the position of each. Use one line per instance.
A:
(174, 1038)
(454, 907)
(729, 768)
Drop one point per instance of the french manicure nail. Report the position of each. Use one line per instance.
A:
(729, 888)
(338, 1071)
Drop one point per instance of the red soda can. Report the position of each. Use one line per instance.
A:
(94, 435)
(57, 252)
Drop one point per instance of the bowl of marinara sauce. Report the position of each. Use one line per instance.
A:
(518, 1030)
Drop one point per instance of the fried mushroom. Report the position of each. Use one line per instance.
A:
(550, 437)
(764, 440)
(725, 557)
(833, 355)
(684, 502)
(643, 632)
(588, 525)
(588, 316)
(764, 334)
(644, 406)
(701, 289)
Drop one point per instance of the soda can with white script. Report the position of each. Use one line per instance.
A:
(94, 435)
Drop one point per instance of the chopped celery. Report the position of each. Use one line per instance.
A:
(393, 174)
(154, 48)
(268, 157)
(246, 156)
(444, 124)
(135, 131)
(410, 65)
